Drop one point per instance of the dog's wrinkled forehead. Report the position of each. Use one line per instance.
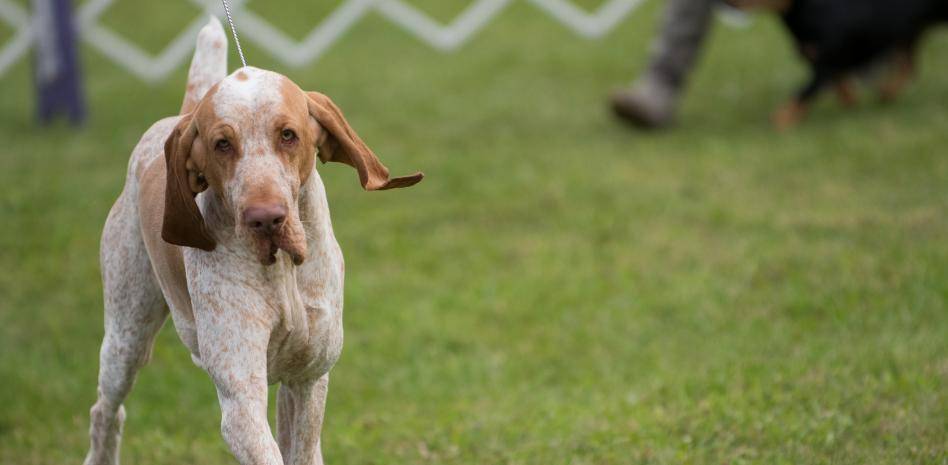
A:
(251, 95)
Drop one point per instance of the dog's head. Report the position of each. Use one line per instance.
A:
(252, 143)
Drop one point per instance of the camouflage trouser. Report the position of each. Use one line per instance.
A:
(683, 29)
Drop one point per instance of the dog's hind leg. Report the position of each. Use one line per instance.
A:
(902, 69)
(134, 312)
(845, 91)
(792, 112)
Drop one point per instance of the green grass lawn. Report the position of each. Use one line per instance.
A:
(560, 289)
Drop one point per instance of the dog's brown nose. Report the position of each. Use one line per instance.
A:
(264, 219)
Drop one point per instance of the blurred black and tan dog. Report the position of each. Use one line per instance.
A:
(842, 38)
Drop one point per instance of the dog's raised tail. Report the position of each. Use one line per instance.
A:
(209, 64)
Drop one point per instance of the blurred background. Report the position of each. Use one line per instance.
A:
(561, 289)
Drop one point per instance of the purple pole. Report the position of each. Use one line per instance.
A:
(58, 81)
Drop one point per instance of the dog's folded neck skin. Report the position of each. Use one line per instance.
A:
(279, 281)
(310, 224)
(290, 241)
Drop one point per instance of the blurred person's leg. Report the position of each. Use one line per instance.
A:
(652, 100)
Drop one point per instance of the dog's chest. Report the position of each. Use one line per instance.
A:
(308, 339)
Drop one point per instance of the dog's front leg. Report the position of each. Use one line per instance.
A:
(300, 420)
(235, 355)
(244, 424)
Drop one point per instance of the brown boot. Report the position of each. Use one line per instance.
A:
(649, 103)
(652, 100)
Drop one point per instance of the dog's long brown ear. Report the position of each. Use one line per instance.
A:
(343, 145)
(182, 223)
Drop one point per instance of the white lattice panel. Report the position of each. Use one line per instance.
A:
(270, 37)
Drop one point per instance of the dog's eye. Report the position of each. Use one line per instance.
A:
(222, 145)
(288, 135)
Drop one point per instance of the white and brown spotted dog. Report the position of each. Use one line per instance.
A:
(230, 231)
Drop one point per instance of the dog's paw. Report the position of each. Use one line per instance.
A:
(788, 116)
(846, 92)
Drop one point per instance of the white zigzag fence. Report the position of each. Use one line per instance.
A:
(290, 52)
